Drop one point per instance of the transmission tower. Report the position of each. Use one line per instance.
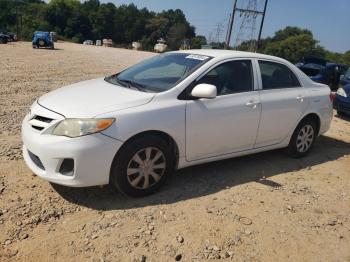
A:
(249, 15)
(219, 28)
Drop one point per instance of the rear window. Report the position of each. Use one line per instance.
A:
(277, 76)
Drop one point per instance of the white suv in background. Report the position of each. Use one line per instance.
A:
(172, 111)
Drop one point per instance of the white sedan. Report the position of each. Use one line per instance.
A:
(174, 110)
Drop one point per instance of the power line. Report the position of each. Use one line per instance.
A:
(247, 30)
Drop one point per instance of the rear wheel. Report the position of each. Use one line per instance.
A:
(302, 139)
(40, 43)
(142, 166)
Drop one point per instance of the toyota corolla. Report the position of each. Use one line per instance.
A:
(178, 109)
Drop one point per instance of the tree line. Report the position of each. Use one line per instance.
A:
(293, 43)
(77, 21)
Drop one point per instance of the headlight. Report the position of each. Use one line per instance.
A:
(72, 127)
(341, 92)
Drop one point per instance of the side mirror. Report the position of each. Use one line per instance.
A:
(204, 91)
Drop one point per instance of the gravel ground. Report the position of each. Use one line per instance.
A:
(264, 207)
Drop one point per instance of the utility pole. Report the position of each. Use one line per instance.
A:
(229, 30)
(261, 27)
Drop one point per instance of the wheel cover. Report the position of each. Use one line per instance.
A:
(41, 42)
(146, 168)
(305, 138)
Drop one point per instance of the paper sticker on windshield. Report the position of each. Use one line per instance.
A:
(197, 57)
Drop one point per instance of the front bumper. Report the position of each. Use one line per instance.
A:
(92, 155)
(342, 104)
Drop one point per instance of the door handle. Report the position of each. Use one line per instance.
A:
(300, 98)
(252, 104)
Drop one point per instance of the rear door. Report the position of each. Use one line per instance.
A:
(283, 102)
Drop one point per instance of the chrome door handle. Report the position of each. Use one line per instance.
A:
(300, 98)
(252, 104)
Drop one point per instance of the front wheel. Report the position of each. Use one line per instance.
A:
(142, 166)
(302, 139)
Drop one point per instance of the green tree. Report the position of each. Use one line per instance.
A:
(292, 48)
(198, 41)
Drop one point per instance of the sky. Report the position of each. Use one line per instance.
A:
(328, 20)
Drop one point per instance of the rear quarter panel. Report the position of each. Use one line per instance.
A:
(320, 103)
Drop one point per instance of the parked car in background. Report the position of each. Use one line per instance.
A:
(88, 42)
(107, 42)
(4, 38)
(98, 42)
(345, 78)
(319, 70)
(43, 40)
(12, 37)
(174, 110)
(342, 98)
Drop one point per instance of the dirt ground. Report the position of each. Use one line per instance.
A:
(264, 207)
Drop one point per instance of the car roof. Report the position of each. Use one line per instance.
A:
(219, 53)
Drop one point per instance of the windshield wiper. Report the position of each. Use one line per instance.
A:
(132, 84)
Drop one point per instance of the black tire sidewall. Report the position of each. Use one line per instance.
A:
(38, 42)
(118, 176)
(292, 147)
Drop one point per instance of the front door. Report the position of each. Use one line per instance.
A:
(229, 122)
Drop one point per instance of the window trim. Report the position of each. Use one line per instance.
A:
(185, 94)
(257, 65)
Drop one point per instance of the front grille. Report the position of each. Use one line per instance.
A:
(36, 160)
(38, 128)
(40, 122)
(43, 119)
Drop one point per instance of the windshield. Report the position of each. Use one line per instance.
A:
(347, 73)
(159, 73)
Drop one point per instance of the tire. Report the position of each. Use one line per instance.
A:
(340, 113)
(302, 139)
(40, 43)
(129, 173)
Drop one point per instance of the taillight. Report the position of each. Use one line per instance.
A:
(332, 96)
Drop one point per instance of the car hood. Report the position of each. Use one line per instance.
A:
(91, 98)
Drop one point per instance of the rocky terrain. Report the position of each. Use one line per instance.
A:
(264, 207)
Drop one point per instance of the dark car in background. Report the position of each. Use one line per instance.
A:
(4, 38)
(342, 98)
(43, 40)
(345, 78)
(319, 70)
(11, 37)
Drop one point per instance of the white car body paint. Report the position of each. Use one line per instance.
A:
(204, 130)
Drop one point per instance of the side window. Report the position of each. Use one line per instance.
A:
(276, 76)
(231, 77)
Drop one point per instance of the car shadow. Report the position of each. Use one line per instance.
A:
(210, 178)
(54, 49)
(343, 117)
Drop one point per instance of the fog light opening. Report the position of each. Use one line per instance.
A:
(67, 167)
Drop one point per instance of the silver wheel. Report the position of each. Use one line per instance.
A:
(146, 168)
(305, 138)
